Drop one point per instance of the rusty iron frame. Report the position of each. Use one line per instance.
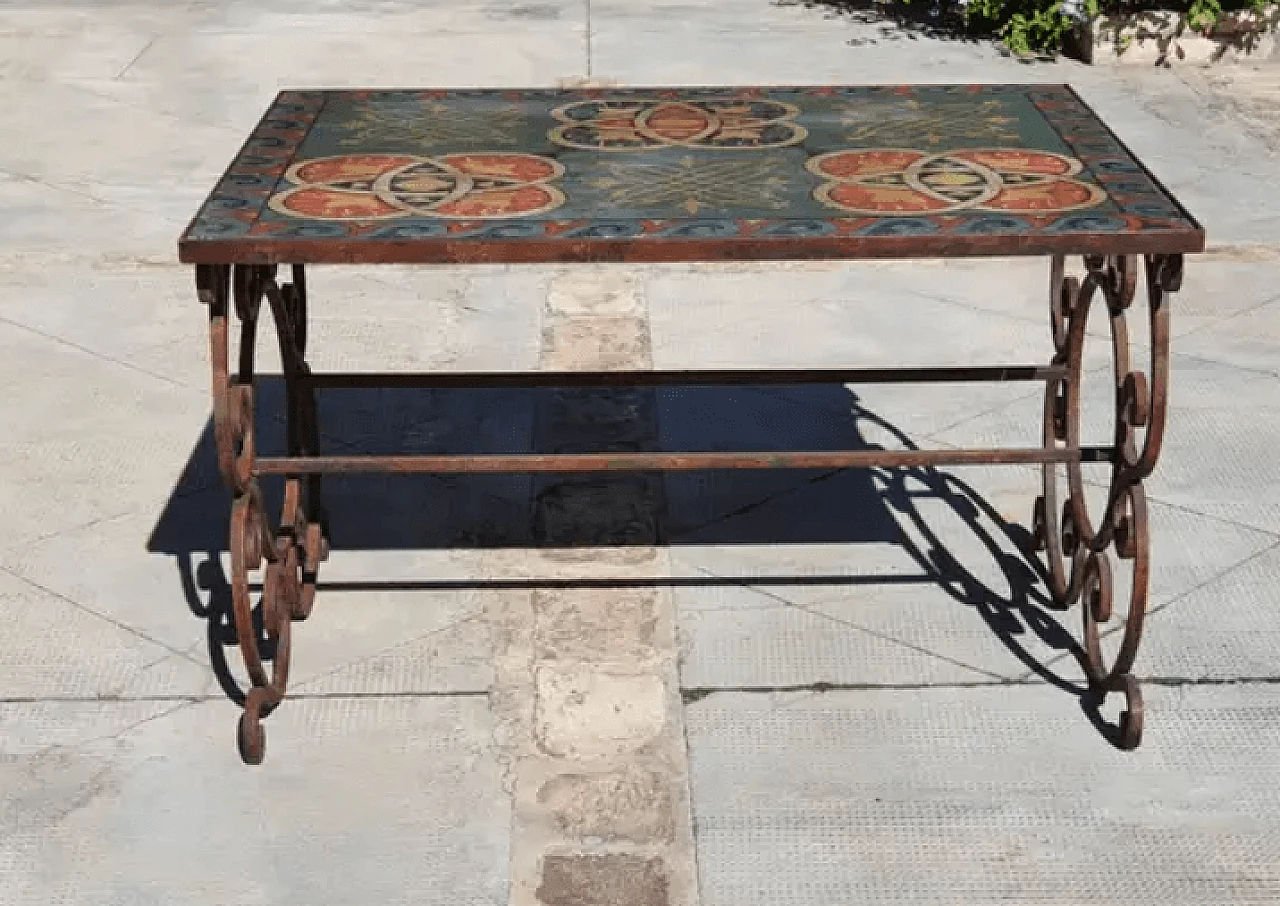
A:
(289, 554)
(1078, 549)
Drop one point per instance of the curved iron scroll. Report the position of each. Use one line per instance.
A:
(1079, 547)
(288, 554)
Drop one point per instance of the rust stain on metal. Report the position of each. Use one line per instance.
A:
(1078, 545)
(671, 462)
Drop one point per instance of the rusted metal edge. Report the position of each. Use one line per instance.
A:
(671, 462)
(778, 376)
(267, 250)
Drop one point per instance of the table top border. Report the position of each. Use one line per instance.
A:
(1187, 215)
(270, 250)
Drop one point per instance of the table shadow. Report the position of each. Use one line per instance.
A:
(420, 512)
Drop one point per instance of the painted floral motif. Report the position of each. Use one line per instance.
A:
(639, 124)
(890, 181)
(488, 185)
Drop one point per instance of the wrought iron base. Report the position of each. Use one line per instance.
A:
(288, 553)
(1079, 548)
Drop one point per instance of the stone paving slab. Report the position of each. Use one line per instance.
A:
(149, 805)
(51, 226)
(76, 427)
(1252, 91)
(383, 16)
(1249, 340)
(989, 795)
(42, 651)
(1221, 629)
(112, 160)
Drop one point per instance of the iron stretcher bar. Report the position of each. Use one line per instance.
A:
(535, 379)
(671, 462)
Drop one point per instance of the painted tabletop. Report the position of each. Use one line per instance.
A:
(683, 174)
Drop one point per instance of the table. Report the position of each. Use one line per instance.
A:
(678, 175)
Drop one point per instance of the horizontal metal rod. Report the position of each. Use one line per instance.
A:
(534, 379)
(672, 462)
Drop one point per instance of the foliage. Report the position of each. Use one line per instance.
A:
(1025, 26)
(1029, 27)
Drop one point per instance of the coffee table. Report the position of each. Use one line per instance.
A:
(678, 175)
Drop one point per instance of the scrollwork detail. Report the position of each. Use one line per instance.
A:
(1078, 548)
(287, 557)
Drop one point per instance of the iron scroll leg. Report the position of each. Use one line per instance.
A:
(1079, 550)
(289, 555)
